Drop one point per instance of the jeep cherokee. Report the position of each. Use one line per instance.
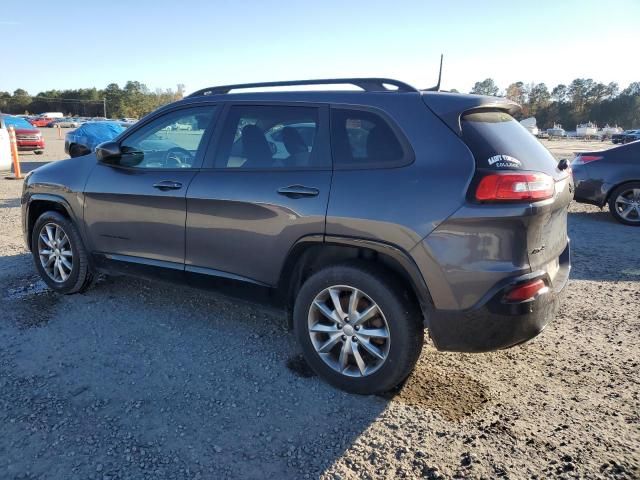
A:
(391, 211)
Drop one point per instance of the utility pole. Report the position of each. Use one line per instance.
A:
(104, 106)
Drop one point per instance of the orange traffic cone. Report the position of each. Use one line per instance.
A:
(17, 175)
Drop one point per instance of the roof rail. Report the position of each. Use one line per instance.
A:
(367, 84)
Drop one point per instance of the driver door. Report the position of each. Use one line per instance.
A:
(135, 211)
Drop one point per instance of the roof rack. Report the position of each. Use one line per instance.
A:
(367, 84)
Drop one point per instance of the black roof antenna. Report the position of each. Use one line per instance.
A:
(437, 87)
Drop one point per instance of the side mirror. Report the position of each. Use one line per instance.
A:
(563, 164)
(109, 153)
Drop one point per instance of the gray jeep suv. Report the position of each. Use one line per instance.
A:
(393, 210)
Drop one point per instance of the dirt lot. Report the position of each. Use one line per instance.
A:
(135, 379)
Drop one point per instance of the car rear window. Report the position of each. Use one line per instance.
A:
(499, 142)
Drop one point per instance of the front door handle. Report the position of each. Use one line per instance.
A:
(167, 185)
(298, 191)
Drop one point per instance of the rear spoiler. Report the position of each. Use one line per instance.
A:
(451, 106)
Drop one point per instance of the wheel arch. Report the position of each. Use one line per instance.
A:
(313, 253)
(615, 186)
(42, 202)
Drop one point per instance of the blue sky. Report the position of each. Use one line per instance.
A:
(72, 44)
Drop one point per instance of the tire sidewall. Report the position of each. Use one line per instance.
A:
(74, 241)
(399, 314)
(612, 202)
(74, 151)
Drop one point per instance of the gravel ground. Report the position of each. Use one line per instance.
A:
(135, 379)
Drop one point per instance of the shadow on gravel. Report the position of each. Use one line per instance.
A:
(24, 298)
(26, 167)
(9, 203)
(145, 379)
(601, 217)
(603, 249)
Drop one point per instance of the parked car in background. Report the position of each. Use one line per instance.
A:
(401, 209)
(617, 137)
(631, 136)
(87, 136)
(41, 121)
(28, 138)
(65, 123)
(610, 177)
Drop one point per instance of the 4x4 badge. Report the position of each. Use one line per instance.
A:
(504, 161)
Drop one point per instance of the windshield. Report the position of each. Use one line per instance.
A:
(17, 122)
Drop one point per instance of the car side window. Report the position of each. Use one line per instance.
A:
(270, 137)
(363, 139)
(172, 140)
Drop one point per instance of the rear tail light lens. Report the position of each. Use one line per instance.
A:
(526, 291)
(582, 159)
(507, 186)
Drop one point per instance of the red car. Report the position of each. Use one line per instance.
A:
(28, 137)
(41, 121)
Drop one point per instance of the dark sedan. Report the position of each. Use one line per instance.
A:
(610, 177)
(631, 136)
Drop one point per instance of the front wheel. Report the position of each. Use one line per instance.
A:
(624, 204)
(358, 330)
(59, 254)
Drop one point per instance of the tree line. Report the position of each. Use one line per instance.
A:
(133, 100)
(581, 101)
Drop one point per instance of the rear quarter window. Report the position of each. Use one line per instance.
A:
(499, 142)
(364, 139)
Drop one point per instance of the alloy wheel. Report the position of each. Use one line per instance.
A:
(54, 251)
(349, 331)
(627, 205)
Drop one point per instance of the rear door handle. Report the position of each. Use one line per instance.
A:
(298, 191)
(167, 185)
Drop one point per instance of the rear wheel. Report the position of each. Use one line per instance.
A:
(357, 329)
(59, 254)
(38, 152)
(624, 203)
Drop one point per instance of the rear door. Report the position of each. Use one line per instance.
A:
(135, 211)
(256, 197)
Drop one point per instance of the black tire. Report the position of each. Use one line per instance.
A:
(76, 150)
(38, 152)
(403, 317)
(81, 273)
(621, 189)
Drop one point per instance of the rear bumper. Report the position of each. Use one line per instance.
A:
(495, 324)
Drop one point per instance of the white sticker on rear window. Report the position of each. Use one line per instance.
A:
(504, 161)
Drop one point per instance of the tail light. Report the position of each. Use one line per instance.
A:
(512, 186)
(526, 291)
(582, 159)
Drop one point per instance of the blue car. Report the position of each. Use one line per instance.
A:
(84, 139)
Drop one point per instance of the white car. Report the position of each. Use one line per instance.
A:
(66, 123)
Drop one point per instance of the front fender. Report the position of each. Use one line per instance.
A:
(27, 202)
